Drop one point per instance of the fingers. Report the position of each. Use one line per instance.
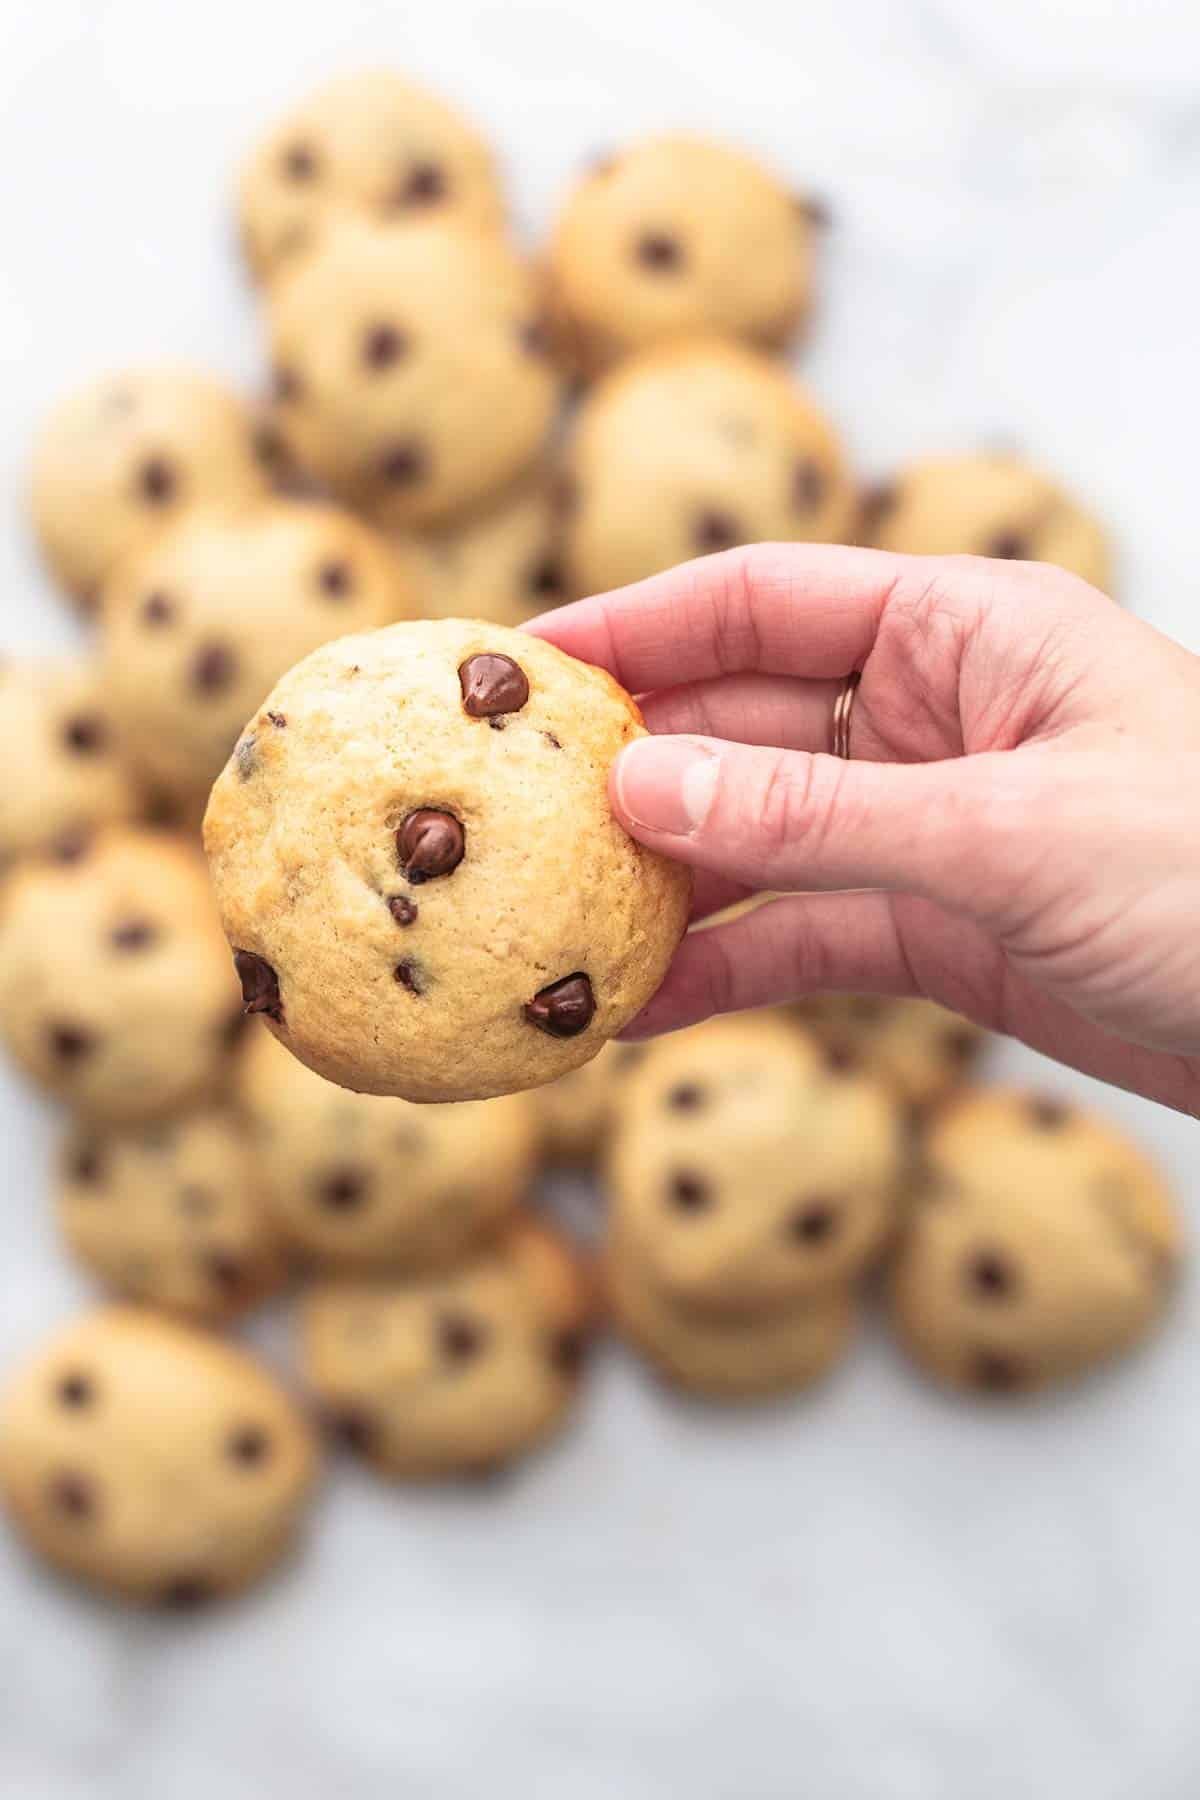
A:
(750, 709)
(789, 609)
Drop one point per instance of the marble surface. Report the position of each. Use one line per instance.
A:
(877, 1594)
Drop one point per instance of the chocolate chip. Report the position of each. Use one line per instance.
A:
(564, 1009)
(410, 974)
(429, 843)
(996, 1373)
(244, 757)
(75, 1390)
(425, 185)
(715, 530)
(808, 486)
(70, 1043)
(686, 1096)
(279, 720)
(343, 1190)
(260, 984)
(816, 1222)
(224, 1270)
(157, 608)
(492, 684)
(404, 465)
(85, 1165)
(568, 1351)
(70, 846)
(74, 1496)
(133, 934)
(85, 734)
(841, 1059)
(688, 1192)
(351, 1428)
(535, 337)
(249, 1445)
(383, 345)
(187, 1593)
(1046, 1114)
(213, 668)
(815, 210)
(554, 742)
(286, 385)
(1009, 546)
(402, 909)
(658, 251)
(157, 481)
(546, 578)
(459, 1337)
(877, 504)
(269, 447)
(991, 1275)
(300, 162)
(336, 579)
(960, 1045)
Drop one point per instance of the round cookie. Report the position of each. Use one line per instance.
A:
(455, 1373)
(198, 626)
(420, 874)
(677, 235)
(747, 1171)
(118, 459)
(1041, 1242)
(504, 564)
(690, 449)
(371, 143)
(171, 1213)
(739, 1356)
(116, 993)
(411, 368)
(358, 1180)
(152, 1461)
(64, 763)
(991, 504)
(919, 1048)
(576, 1111)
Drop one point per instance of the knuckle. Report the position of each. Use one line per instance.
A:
(787, 803)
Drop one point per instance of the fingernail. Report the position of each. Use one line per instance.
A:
(666, 784)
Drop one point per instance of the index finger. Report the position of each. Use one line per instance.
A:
(791, 609)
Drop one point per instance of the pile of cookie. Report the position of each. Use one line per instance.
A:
(455, 431)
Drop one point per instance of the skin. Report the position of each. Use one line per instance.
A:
(1014, 835)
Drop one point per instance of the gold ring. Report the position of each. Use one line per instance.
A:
(843, 706)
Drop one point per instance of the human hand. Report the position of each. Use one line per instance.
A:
(1016, 835)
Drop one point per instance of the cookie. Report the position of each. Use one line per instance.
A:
(411, 368)
(356, 1181)
(425, 888)
(372, 144)
(150, 1460)
(64, 762)
(747, 1171)
(456, 1373)
(919, 1048)
(197, 627)
(503, 564)
(755, 1355)
(987, 505)
(576, 1111)
(1041, 1243)
(690, 449)
(117, 460)
(116, 993)
(677, 235)
(171, 1213)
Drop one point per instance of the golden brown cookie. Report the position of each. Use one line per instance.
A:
(420, 873)
(1041, 1242)
(919, 1048)
(371, 143)
(117, 460)
(198, 626)
(987, 505)
(693, 448)
(676, 235)
(356, 1181)
(116, 991)
(411, 368)
(456, 1373)
(503, 564)
(576, 1111)
(152, 1461)
(171, 1213)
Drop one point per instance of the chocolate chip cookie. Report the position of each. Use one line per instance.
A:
(920, 1049)
(694, 448)
(116, 993)
(576, 1111)
(411, 368)
(150, 1460)
(117, 460)
(419, 872)
(676, 235)
(171, 1213)
(370, 143)
(1041, 1243)
(987, 505)
(503, 564)
(452, 1374)
(196, 627)
(355, 1181)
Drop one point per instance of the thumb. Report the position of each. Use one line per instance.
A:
(786, 819)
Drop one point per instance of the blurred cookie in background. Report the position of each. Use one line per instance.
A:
(988, 504)
(118, 459)
(150, 1460)
(921, 1050)
(371, 143)
(117, 989)
(456, 1373)
(503, 564)
(674, 235)
(170, 1213)
(576, 1111)
(1041, 1242)
(65, 771)
(412, 368)
(694, 448)
(197, 628)
(357, 1181)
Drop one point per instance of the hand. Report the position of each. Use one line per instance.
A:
(1016, 835)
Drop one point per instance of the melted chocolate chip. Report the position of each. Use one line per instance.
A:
(187, 1593)
(260, 984)
(85, 1166)
(383, 345)
(688, 1192)
(411, 975)
(960, 1045)
(157, 608)
(1048, 1115)
(404, 465)
(659, 251)
(715, 530)
(279, 720)
(877, 505)
(816, 1222)
(224, 1270)
(352, 1428)
(336, 579)
(75, 1390)
(300, 162)
(249, 1445)
(808, 486)
(1009, 546)
(157, 481)
(568, 1351)
(459, 1337)
(492, 684)
(70, 1043)
(815, 210)
(425, 185)
(133, 934)
(213, 668)
(343, 1190)
(995, 1373)
(286, 385)
(546, 579)
(85, 734)
(402, 909)
(686, 1096)
(991, 1275)
(269, 447)
(564, 1009)
(429, 843)
(73, 1496)
(841, 1059)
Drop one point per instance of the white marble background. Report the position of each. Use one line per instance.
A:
(875, 1595)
